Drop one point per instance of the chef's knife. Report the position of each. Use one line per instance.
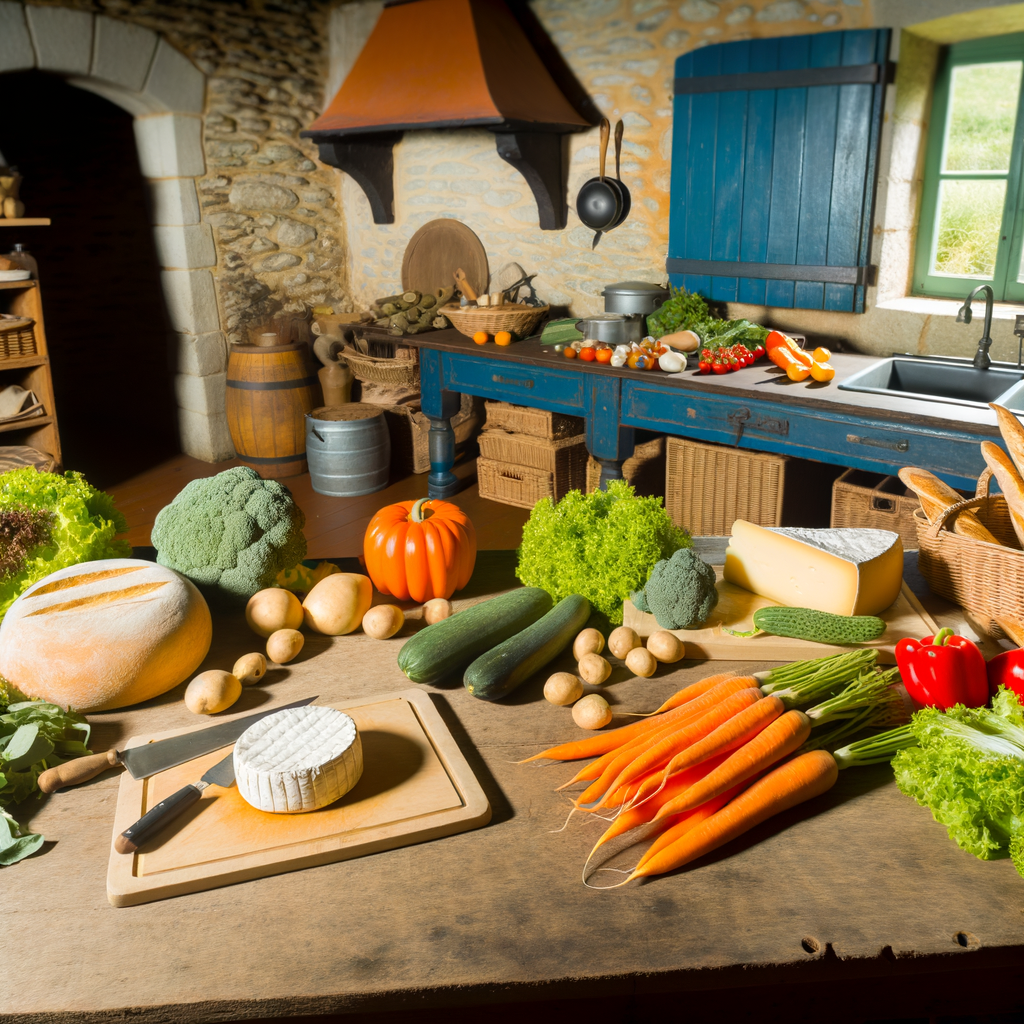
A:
(158, 818)
(150, 758)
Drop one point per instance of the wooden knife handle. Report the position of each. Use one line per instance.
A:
(155, 820)
(81, 769)
(464, 285)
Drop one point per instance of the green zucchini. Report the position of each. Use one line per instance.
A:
(821, 627)
(498, 672)
(450, 645)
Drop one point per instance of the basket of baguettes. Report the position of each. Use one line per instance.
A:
(970, 550)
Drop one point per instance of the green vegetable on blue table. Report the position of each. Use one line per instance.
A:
(968, 769)
(687, 311)
(680, 592)
(602, 545)
(34, 735)
(49, 521)
(231, 534)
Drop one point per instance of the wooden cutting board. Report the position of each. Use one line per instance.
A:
(416, 785)
(437, 250)
(735, 610)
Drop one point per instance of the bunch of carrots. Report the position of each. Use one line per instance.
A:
(715, 759)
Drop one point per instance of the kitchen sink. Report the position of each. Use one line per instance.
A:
(948, 381)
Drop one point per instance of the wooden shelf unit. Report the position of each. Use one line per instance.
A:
(24, 222)
(23, 298)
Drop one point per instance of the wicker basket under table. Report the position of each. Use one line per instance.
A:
(399, 372)
(521, 419)
(986, 580)
(17, 338)
(876, 502)
(522, 486)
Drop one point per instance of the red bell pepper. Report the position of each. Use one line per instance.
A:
(1007, 669)
(943, 670)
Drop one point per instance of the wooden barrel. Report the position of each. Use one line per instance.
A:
(349, 449)
(269, 392)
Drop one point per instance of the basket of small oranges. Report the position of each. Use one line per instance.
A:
(512, 319)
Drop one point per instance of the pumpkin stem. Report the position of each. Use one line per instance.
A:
(416, 513)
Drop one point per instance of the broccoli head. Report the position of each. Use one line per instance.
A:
(680, 592)
(231, 534)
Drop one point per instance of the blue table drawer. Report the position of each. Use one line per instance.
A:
(540, 388)
(857, 441)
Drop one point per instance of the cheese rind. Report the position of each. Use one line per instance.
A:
(844, 571)
(298, 759)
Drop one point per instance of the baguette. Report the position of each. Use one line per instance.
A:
(1010, 483)
(936, 496)
(1013, 434)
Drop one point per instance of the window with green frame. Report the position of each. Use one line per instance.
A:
(972, 209)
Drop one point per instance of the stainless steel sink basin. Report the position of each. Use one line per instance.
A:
(956, 383)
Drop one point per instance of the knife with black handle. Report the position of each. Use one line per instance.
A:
(159, 817)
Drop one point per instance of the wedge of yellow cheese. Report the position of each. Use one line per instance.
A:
(845, 571)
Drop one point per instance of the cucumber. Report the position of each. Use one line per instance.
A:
(498, 672)
(450, 645)
(821, 627)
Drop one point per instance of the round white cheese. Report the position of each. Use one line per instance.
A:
(298, 759)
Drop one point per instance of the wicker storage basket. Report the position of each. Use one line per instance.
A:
(520, 321)
(410, 428)
(400, 372)
(986, 580)
(521, 419)
(708, 487)
(17, 338)
(521, 485)
(879, 502)
(566, 458)
(645, 469)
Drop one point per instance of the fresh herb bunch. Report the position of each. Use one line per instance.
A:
(683, 311)
(34, 735)
(82, 526)
(601, 545)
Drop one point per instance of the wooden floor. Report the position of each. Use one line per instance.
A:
(334, 526)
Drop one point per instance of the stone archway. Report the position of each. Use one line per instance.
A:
(136, 69)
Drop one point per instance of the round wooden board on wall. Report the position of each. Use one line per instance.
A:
(437, 250)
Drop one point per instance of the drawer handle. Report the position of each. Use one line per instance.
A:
(877, 442)
(498, 379)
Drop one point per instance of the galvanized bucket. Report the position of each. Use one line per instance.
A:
(349, 450)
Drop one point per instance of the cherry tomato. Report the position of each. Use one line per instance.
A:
(758, 350)
(703, 366)
(719, 368)
(603, 355)
(588, 354)
(570, 352)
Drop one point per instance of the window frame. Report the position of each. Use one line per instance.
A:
(1004, 283)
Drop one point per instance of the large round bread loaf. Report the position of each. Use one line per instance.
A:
(105, 634)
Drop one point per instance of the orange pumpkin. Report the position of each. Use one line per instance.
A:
(420, 550)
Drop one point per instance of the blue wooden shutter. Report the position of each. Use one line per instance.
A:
(774, 162)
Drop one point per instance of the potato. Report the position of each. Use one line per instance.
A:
(436, 609)
(211, 692)
(250, 668)
(592, 712)
(590, 641)
(383, 621)
(273, 609)
(666, 646)
(641, 662)
(622, 641)
(283, 645)
(337, 604)
(593, 669)
(563, 688)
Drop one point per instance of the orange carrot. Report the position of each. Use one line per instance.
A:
(772, 744)
(593, 746)
(694, 690)
(803, 778)
(662, 751)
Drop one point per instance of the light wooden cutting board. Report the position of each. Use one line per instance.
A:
(735, 610)
(416, 785)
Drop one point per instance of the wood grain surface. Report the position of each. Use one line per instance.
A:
(858, 884)
(437, 250)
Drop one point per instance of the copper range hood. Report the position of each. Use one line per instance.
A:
(449, 64)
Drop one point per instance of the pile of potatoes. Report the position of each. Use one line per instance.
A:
(593, 711)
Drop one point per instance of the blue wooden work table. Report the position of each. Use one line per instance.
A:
(756, 408)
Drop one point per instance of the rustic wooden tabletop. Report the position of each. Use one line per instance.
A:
(858, 883)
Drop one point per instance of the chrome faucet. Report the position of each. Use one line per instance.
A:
(981, 357)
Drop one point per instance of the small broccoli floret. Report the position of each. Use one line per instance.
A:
(231, 534)
(680, 592)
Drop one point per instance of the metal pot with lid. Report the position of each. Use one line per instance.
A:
(634, 298)
(611, 328)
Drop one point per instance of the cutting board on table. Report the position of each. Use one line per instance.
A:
(416, 785)
(735, 610)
